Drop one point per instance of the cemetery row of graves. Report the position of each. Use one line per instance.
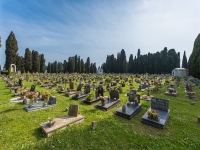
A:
(144, 101)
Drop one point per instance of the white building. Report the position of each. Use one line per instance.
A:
(99, 71)
(181, 72)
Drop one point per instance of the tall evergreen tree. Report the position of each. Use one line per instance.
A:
(88, 65)
(35, 61)
(28, 60)
(79, 65)
(76, 63)
(184, 61)
(123, 61)
(194, 59)
(11, 50)
(65, 66)
(42, 63)
(163, 64)
(49, 67)
(82, 66)
(130, 64)
(19, 62)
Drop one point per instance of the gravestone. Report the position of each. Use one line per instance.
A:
(71, 85)
(73, 110)
(144, 86)
(62, 122)
(20, 82)
(114, 94)
(79, 87)
(110, 102)
(99, 91)
(130, 108)
(32, 88)
(87, 89)
(132, 95)
(41, 105)
(161, 106)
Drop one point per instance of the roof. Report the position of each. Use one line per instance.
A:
(180, 69)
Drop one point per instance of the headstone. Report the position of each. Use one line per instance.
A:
(52, 100)
(87, 89)
(79, 87)
(144, 86)
(32, 88)
(159, 104)
(71, 85)
(73, 110)
(114, 94)
(99, 91)
(132, 95)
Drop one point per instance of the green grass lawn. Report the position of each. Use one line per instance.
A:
(20, 129)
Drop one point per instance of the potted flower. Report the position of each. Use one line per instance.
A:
(153, 114)
(31, 95)
(46, 96)
(136, 101)
(23, 93)
(51, 122)
(102, 99)
(89, 97)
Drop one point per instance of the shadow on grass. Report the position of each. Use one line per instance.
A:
(8, 110)
(39, 134)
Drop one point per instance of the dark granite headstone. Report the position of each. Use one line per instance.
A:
(132, 95)
(32, 88)
(73, 110)
(79, 87)
(144, 86)
(52, 100)
(114, 94)
(99, 90)
(87, 89)
(159, 104)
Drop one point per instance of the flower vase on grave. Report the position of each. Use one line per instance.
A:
(103, 103)
(31, 102)
(24, 101)
(123, 108)
(46, 100)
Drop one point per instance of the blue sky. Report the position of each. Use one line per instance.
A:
(97, 28)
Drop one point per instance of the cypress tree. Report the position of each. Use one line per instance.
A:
(79, 65)
(184, 61)
(11, 50)
(194, 59)
(130, 64)
(88, 65)
(122, 61)
(28, 60)
(49, 67)
(42, 63)
(35, 61)
(82, 66)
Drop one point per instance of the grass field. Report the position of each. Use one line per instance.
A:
(20, 129)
